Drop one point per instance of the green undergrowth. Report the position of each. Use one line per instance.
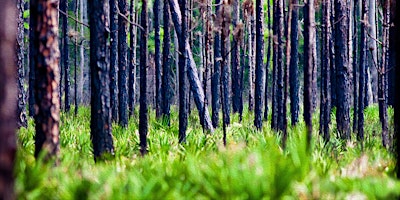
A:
(252, 165)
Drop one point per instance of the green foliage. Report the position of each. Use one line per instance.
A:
(252, 166)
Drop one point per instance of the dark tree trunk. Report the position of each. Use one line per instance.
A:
(251, 42)
(76, 99)
(382, 75)
(183, 91)
(8, 91)
(215, 87)
(294, 68)
(397, 89)
(157, 56)
(100, 123)
(342, 69)
(392, 57)
(275, 62)
(235, 59)
(267, 66)
(123, 63)
(31, 89)
(21, 110)
(207, 52)
(333, 57)
(225, 16)
(114, 60)
(132, 59)
(280, 67)
(166, 77)
(143, 112)
(362, 71)
(65, 53)
(259, 65)
(309, 34)
(355, 64)
(47, 76)
(325, 113)
(195, 84)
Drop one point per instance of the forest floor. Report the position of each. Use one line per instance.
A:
(251, 166)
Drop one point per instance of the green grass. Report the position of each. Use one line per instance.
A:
(251, 166)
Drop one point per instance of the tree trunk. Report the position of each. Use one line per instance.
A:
(225, 15)
(8, 91)
(251, 59)
(274, 116)
(166, 77)
(76, 100)
(372, 75)
(143, 112)
(294, 68)
(132, 59)
(280, 66)
(31, 93)
(47, 76)
(259, 64)
(123, 63)
(325, 113)
(21, 110)
(397, 89)
(81, 53)
(100, 123)
(215, 86)
(195, 84)
(65, 53)
(355, 64)
(157, 56)
(309, 34)
(362, 71)
(235, 73)
(267, 66)
(114, 59)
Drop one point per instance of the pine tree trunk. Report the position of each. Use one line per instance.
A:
(31, 89)
(397, 89)
(251, 60)
(267, 66)
(372, 76)
(100, 124)
(166, 77)
(47, 76)
(259, 65)
(76, 100)
(81, 53)
(157, 56)
(225, 15)
(65, 53)
(275, 62)
(123, 64)
(114, 59)
(8, 91)
(294, 68)
(235, 52)
(355, 64)
(280, 67)
(132, 59)
(21, 110)
(183, 91)
(362, 71)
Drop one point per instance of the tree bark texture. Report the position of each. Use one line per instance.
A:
(100, 123)
(259, 65)
(235, 53)
(157, 56)
(294, 68)
(20, 48)
(267, 66)
(123, 63)
(397, 90)
(65, 54)
(362, 71)
(47, 76)
(8, 91)
(31, 89)
(132, 59)
(114, 59)
(215, 87)
(280, 65)
(225, 16)
(166, 65)
(183, 90)
(356, 18)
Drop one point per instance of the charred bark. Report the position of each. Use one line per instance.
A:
(183, 91)
(157, 56)
(21, 110)
(215, 84)
(132, 59)
(294, 68)
(123, 63)
(65, 54)
(280, 66)
(166, 65)
(235, 59)
(259, 65)
(362, 71)
(114, 60)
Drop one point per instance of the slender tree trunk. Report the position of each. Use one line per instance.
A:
(267, 66)
(333, 56)
(251, 33)
(355, 64)
(294, 68)
(397, 89)
(143, 112)
(235, 52)
(275, 62)
(65, 53)
(362, 71)
(31, 89)
(157, 56)
(325, 106)
(280, 67)
(114, 59)
(132, 59)
(166, 77)
(342, 69)
(372, 75)
(100, 123)
(123, 64)
(47, 76)
(21, 110)
(259, 64)
(8, 91)
(76, 100)
(225, 15)
(81, 52)
(183, 91)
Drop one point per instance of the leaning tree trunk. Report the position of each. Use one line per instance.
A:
(100, 123)
(47, 76)
(259, 65)
(123, 63)
(157, 56)
(166, 65)
(143, 112)
(294, 68)
(8, 91)
(215, 92)
(309, 34)
(21, 110)
(342, 69)
(195, 84)
(183, 91)
(114, 59)
(65, 53)
(325, 107)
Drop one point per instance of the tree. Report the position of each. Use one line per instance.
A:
(225, 17)
(325, 107)
(65, 52)
(267, 66)
(342, 68)
(157, 55)
(235, 64)
(165, 85)
(46, 57)
(31, 81)
(183, 91)
(21, 110)
(309, 34)
(294, 68)
(397, 89)
(215, 80)
(8, 98)
(123, 63)
(259, 64)
(114, 59)
(100, 122)
(143, 112)
(279, 66)
(362, 71)
(132, 59)
(355, 42)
